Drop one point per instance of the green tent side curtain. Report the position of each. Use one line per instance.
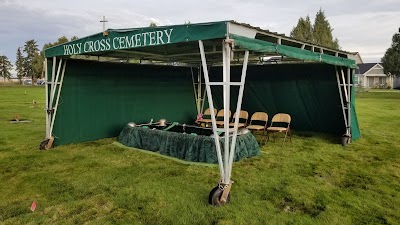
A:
(296, 53)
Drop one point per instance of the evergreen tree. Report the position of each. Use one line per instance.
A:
(37, 64)
(303, 30)
(319, 33)
(19, 66)
(391, 59)
(60, 40)
(5, 67)
(152, 24)
(31, 49)
(322, 32)
(39, 57)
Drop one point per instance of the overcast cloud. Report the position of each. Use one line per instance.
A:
(361, 26)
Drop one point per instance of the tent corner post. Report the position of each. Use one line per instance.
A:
(55, 85)
(345, 103)
(47, 97)
(220, 194)
(349, 87)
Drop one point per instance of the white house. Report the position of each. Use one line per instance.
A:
(371, 75)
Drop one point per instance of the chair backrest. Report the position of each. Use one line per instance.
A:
(259, 116)
(242, 115)
(281, 118)
(207, 112)
(221, 114)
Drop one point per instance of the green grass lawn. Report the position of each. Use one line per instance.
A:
(312, 180)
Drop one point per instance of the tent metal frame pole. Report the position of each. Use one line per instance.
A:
(55, 82)
(199, 94)
(226, 89)
(211, 105)
(203, 93)
(53, 87)
(46, 74)
(58, 96)
(238, 108)
(341, 97)
(225, 163)
(49, 99)
(53, 75)
(348, 128)
(203, 100)
(195, 92)
(344, 85)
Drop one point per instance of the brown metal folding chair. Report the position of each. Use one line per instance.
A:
(243, 117)
(261, 118)
(220, 117)
(280, 124)
(206, 117)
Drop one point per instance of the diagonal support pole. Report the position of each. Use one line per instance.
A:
(348, 130)
(238, 108)
(226, 54)
(46, 74)
(55, 107)
(211, 104)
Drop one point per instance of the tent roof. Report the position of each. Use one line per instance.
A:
(179, 43)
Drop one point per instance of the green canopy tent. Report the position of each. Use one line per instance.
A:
(88, 100)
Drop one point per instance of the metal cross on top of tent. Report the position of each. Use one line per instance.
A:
(104, 21)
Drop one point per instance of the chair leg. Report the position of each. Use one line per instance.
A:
(263, 137)
(284, 139)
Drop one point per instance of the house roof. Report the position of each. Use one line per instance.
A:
(364, 67)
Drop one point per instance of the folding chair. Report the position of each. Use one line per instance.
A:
(280, 123)
(206, 118)
(220, 117)
(243, 117)
(258, 122)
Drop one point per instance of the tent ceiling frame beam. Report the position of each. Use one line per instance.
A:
(184, 57)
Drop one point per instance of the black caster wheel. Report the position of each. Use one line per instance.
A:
(215, 195)
(43, 145)
(345, 140)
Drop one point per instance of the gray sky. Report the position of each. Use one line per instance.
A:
(361, 26)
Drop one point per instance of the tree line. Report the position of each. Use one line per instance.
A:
(29, 60)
